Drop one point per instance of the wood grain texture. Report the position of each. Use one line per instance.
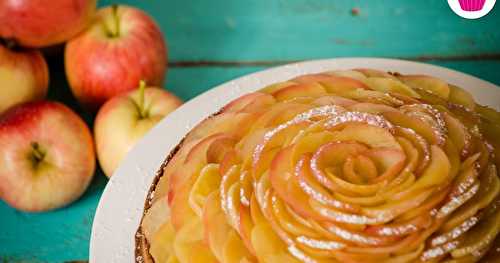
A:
(307, 29)
(211, 42)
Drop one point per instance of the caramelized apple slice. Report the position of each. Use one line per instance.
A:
(190, 238)
(373, 136)
(286, 186)
(489, 187)
(427, 83)
(235, 123)
(180, 211)
(268, 246)
(277, 86)
(459, 135)
(234, 250)
(250, 102)
(390, 85)
(461, 97)
(480, 236)
(420, 127)
(245, 228)
(288, 222)
(348, 74)
(207, 182)
(333, 100)
(372, 108)
(300, 90)
(436, 174)
(216, 230)
(155, 217)
(161, 243)
(374, 73)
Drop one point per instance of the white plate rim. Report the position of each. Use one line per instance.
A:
(120, 207)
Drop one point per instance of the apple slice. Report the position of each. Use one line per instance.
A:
(218, 149)
(245, 227)
(229, 195)
(288, 222)
(216, 230)
(155, 217)
(314, 190)
(333, 100)
(480, 236)
(402, 228)
(268, 246)
(489, 187)
(180, 210)
(458, 134)
(286, 186)
(234, 251)
(228, 122)
(417, 125)
(300, 90)
(190, 238)
(430, 84)
(373, 136)
(250, 102)
(461, 97)
(255, 212)
(390, 85)
(372, 108)
(207, 182)
(348, 74)
(374, 73)
(435, 175)
(277, 86)
(161, 248)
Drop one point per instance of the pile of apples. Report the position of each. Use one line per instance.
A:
(47, 152)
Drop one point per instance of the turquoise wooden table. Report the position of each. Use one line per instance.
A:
(211, 42)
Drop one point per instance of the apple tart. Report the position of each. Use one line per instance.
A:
(343, 166)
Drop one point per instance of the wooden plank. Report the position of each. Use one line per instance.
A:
(305, 29)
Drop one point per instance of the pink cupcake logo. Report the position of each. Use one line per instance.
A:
(472, 5)
(471, 9)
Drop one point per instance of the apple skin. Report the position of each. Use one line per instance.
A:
(24, 76)
(121, 47)
(66, 165)
(118, 125)
(41, 23)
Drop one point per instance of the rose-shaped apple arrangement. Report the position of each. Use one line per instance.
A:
(345, 166)
(47, 157)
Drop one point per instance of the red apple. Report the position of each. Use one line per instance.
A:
(40, 23)
(124, 119)
(47, 158)
(121, 47)
(24, 76)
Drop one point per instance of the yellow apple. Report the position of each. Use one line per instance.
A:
(125, 119)
(24, 76)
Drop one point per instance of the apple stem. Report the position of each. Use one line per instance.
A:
(38, 153)
(9, 43)
(114, 30)
(142, 88)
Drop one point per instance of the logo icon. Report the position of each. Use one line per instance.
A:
(471, 9)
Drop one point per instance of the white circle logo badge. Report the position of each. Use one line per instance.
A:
(471, 9)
